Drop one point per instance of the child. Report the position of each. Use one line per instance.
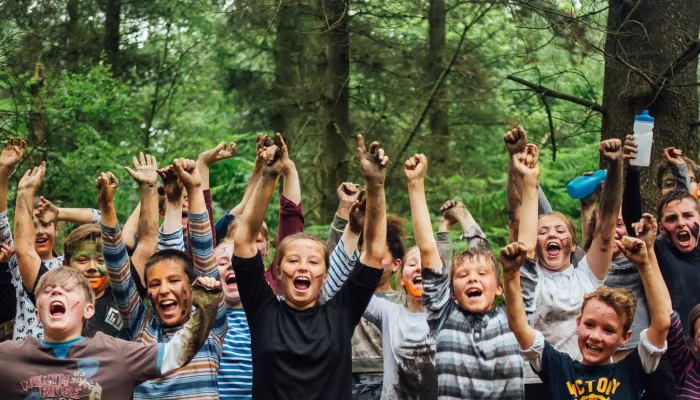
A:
(602, 326)
(303, 346)
(476, 355)
(682, 355)
(167, 274)
(68, 365)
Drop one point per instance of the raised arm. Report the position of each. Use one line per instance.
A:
(12, 151)
(131, 227)
(587, 209)
(415, 169)
(632, 190)
(253, 215)
(527, 171)
(679, 168)
(146, 175)
(170, 234)
(48, 213)
(347, 193)
(373, 163)
(601, 251)
(291, 215)
(640, 252)
(261, 142)
(515, 141)
(28, 260)
(512, 257)
(8, 293)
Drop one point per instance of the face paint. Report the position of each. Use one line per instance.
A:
(695, 230)
(98, 285)
(412, 291)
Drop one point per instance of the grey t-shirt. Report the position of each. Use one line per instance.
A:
(623, 274)
(408, 349)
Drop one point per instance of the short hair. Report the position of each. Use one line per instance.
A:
(567, 222)
(282, 247)
(694, 315)
(677, 196)
(394, 236)
(79, 235)
(471, 255)
(621, 300)
(171, 255)
(62, 276)
(665, 168)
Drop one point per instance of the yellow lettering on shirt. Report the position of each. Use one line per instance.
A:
(616, 384)
(602, 385)
(599, 389)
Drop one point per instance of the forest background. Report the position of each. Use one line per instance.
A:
(90, 83)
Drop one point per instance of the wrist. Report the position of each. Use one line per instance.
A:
(443, 226)
(415, 182)
(343, 212)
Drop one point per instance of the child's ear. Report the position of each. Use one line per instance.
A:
(625, 338)
(499, 288)
(89, 311)
(395, 265)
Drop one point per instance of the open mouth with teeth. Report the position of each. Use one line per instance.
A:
(417, 281)
(302, 283)
(683, 238)
(593, 348)
(168, 306)
(41, 240)
(474, 293)
(231, 279)
(553, 249)
(57, 309)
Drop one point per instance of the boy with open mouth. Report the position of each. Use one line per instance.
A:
(168, 274)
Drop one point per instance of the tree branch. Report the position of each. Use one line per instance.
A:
(558, 95)
(547, 108)
(688, 56)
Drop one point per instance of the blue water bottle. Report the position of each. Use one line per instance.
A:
(584, 186)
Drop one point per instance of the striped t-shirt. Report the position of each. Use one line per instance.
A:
(236, 371)
(198, 379)
(686, 368)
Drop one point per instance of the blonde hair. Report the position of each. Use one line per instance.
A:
(621, 300)
(282, 247)
(63, 276)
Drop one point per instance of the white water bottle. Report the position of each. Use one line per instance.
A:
(643, 134)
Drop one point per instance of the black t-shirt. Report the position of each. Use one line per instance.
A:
(302, 354)
(681, 272)
(568, 379)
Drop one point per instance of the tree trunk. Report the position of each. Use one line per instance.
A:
(336, 107)
(646, 37)
(72, 41)
(436, 64)
(37, 113)
(111, 39)
(286, 54)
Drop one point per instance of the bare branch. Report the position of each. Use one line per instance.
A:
(558, 95)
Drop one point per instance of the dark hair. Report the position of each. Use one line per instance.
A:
(78, 235)
(674, 195)
(171, 255)
(472, 254)
(394, 234)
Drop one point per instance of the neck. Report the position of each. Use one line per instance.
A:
(47, 257)
(299, 307)
(58, 338)
(233, 304)
(385, 286)
(100, 294)
(415, 305)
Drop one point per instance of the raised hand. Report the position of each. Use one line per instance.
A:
(611, 149)
(106, 185)
(6, 253)
(515, 140)
(629, 150)
(356, 219)
(12, 151)
(208, 283)
(146, 170)
(525, 163)
(218, 153)
(416, 167)
(512, 257)
(348, 192)
(46, 211)
(646, 229)
(172, 187)
(635, 250)
(270, 158)
(673, 156)
(32, 178)
(454, 211)
(373, 162)
(188, 172)
(287, 164)
(595, 196)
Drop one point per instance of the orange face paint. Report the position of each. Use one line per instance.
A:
(412, 291)
(99, 284)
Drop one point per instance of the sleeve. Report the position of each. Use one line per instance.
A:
(174, 240)
(335, 232)
(255, 293)
(679, 354)
(96, 216)
(648, 353)
(437, 295)
(8, 294)
(221, 226)
(445, 249)
(586, 276)
(340, 269)
(141, 361)
(681, 177)
(208, 202)
(476, 238)
(202, 244)
(378, 309)
(529, 276)
(543, 206)
(356, 293)
(632, 199)
(5, 232)
(42, 270)
(131, 307)
(535, 353)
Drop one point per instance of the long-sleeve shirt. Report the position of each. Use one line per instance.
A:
(686, 368)
(291, 221)
(236, 372)
(8, 296)
(197, 380)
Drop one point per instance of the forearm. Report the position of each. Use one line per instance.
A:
(375, 226)
(600, 253)
(681, 177)
(291, 188)
(28, 260)
(78, 215)
(202, 245)
(147, 230)
(658, 301)
(422, 226)
(203, 173)
(173, 217)
(527, 226)
(291, 218)
(336, 230)
(4, 179)
(587, 210)
(515, 310)
(249, 190)
(253, 216)
(514, 199)
(130, 227)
